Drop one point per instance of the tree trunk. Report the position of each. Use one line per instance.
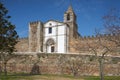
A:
(0, 70)
(5, 68)
(101, 67)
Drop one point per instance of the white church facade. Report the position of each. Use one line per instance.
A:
(53, 36)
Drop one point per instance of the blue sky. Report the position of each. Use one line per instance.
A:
(89, 13)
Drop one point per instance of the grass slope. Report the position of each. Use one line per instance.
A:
(54, 77)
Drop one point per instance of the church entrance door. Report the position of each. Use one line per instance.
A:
(50, 49)
(50, 46)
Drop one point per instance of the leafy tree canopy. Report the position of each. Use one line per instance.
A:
(8, 35)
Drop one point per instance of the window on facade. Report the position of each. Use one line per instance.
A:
(41, 48)
(50, 24)
(52, 49)
(49, 30)
(68, 16)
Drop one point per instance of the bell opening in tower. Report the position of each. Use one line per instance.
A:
(68, 17)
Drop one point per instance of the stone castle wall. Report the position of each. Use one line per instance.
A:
(36, 63)
(79, 45)
(84, 44)
(22, 45)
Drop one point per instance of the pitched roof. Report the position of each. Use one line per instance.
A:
(70, 9)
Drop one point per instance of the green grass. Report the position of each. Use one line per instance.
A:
(53, 77)
(106, 78)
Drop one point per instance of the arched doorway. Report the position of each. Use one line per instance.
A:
(50, 46)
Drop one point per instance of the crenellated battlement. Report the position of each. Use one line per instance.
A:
(23, 38)
(35, 22)
(85, 37)
(97, 36)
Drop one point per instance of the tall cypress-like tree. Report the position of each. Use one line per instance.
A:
(8, 37)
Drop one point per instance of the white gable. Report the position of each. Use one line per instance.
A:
(59, 34)
(52, 23)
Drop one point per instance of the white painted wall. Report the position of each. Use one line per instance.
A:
(59, 35)
(61, 43)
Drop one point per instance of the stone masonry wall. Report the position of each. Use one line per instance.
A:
(22, 45)
(83, 45)
(41, 63)
(79, 45)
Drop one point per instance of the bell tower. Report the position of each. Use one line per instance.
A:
(70, 20)
(69, 15)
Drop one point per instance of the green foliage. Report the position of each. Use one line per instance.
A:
(8, 35)
(106, 78)
(53, 77)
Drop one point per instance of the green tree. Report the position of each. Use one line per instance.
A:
(8, 37)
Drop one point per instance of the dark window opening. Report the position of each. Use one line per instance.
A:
(50, 30)
(52, 49)
(42, 48)
(68, 16)
(50, 24)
